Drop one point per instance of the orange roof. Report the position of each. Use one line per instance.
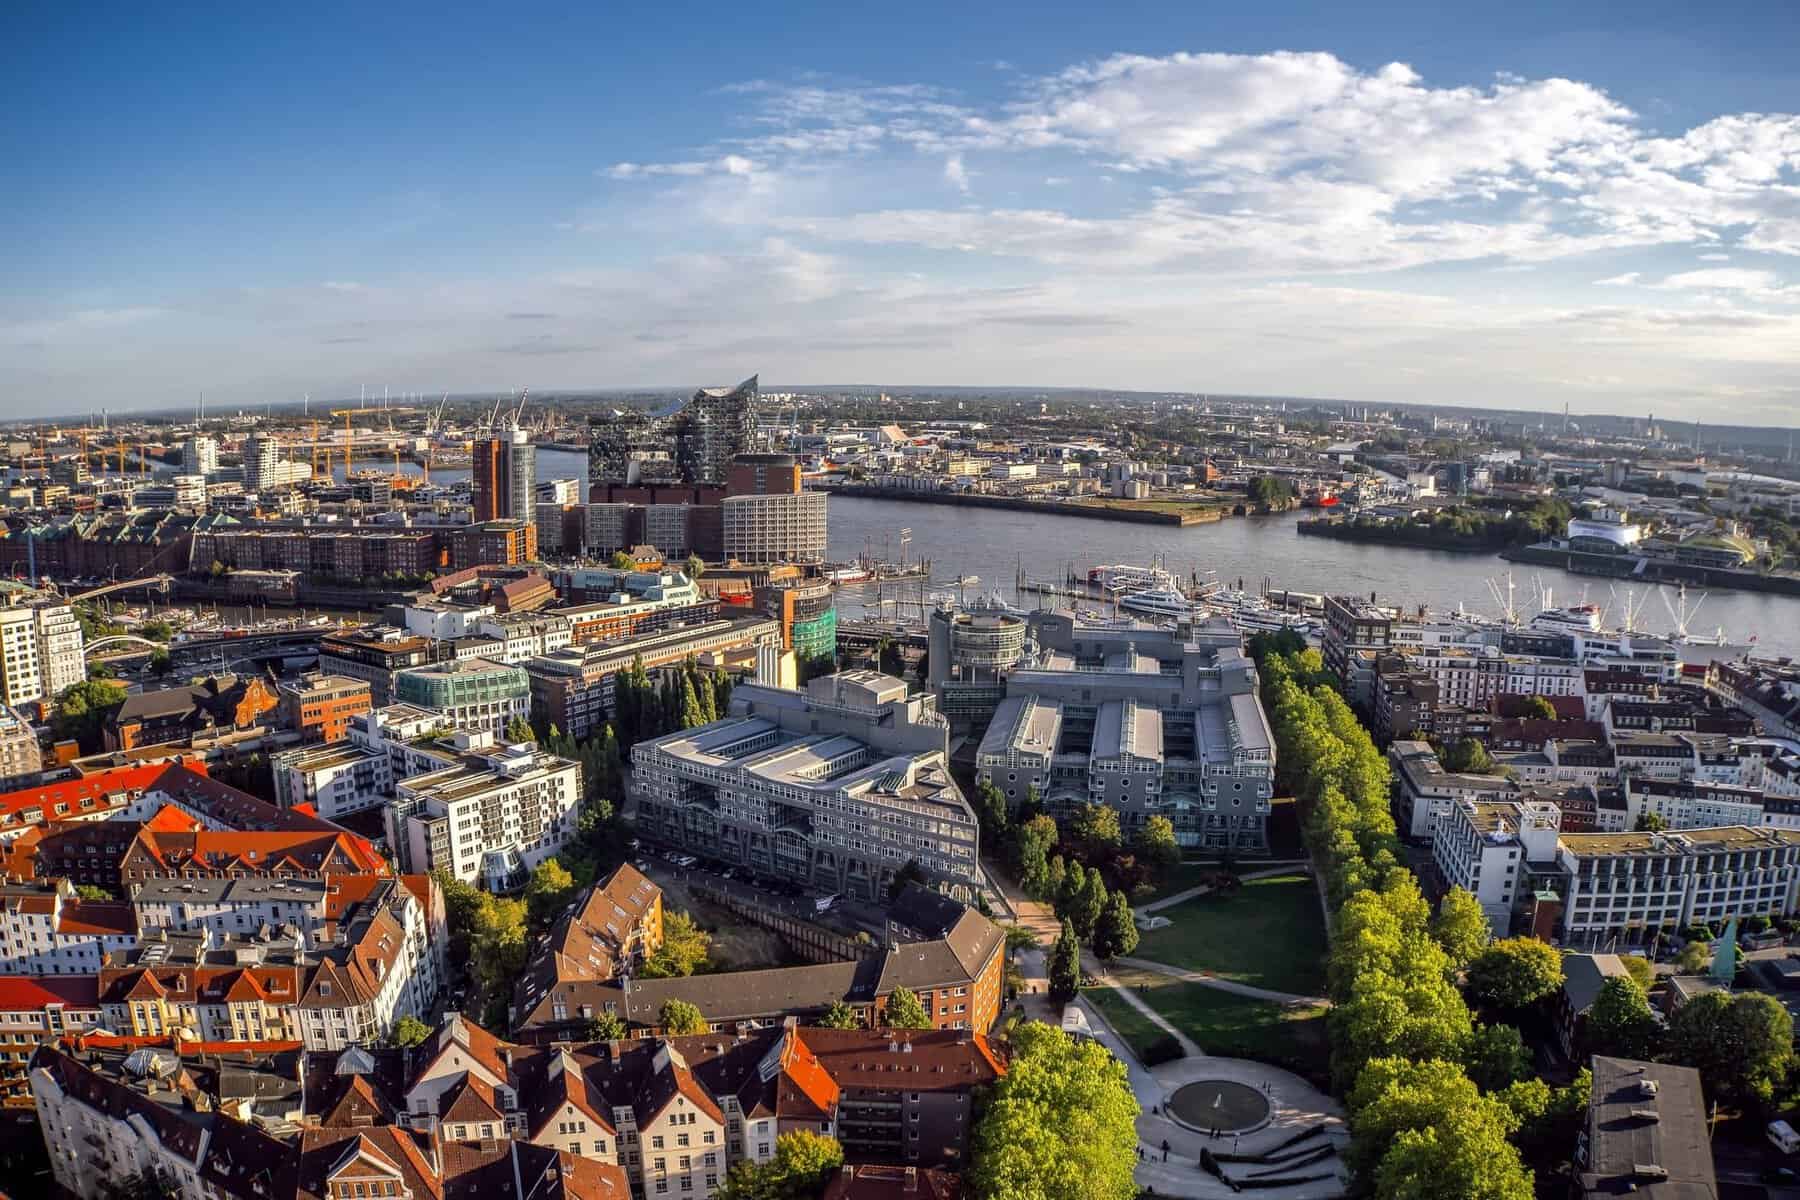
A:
(803, 1079)
(102, 917)
(34, 993)
(169, 819)
(65, 799)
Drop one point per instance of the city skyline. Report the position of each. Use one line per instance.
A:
(1498, 211)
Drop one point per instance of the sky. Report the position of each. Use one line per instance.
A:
(1592, 205)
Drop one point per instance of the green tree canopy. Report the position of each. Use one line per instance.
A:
(1115, 934)
(518, 730)
(606, 1027)
(1468, 756)
(904, 1011)
(1495, 1056)
(1088, 905)
(1096, 826)
(1065, 965)
(547, 892)
(1460, 927)
(840, 1016)
(410, 1031)
(1400, 1109)
(683, 951)
(1062, 1124)
(803, 1164)
(1538, 708)
(1741, 1043)
(89, 891)
(82, 709)
(1155, 842)
(1515, 972)
(1619, 1022)
(679, 1017)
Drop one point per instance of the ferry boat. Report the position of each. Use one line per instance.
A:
(1125, 577)
(854, 573)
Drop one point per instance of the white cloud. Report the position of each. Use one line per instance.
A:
(1625, 280)
(955, 174)
(725, 164)
(1714, 257)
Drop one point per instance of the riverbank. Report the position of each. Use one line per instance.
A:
(1412, 536)
(1102, 508)
(1643, 569)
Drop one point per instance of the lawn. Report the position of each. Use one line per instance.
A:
(1137, 1029)
(1268, 933)
(1231, 1026)
(1181, 877)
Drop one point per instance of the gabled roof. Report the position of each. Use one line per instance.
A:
(88, 794)
(469, 1101)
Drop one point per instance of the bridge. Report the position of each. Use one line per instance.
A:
(121, 639)
(199, 652)
(160, 582)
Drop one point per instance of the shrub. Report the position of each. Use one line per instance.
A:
(1163, 1049)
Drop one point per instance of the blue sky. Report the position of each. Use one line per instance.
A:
(1524, 207)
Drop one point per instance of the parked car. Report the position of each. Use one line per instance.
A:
(824, 903)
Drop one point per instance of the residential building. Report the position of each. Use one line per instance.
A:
(37, 1010)
(775, 528)
(1583, 977)
(200, 455)
(504, 542)
(1647, 1134)
(617, 925)
(1149, 721)
(476, 694)
(319, 707)
(21, 759)
(265, 469)
(838, 787)
(505, 476)
(1684, 804)
(1424, 792)
(1483, 848)
(489, 818)
(526, 635)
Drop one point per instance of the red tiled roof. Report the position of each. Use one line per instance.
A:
(33, 993)
(70, 793)
(101, 917)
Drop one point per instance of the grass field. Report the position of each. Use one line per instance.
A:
(1181, 877)
(1268, 933)
(1137, 1029)
(1289, 1036)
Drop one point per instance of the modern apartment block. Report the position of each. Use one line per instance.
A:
(377, 655)
(971, 652)
(382, 746)
(488, 818)
(1424, 792)
(40, 651)
(1147, 720)
(474, 694)
(838, 786)
(1623, 886)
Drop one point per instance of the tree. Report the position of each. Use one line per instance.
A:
(678, 1017)
(1649, 822)
(1088, 906)
(1471, 1159)
(840, 1016)
(1115, 934)
(622, 561)
(1640, 970)
(410, 1031)
(82, 710)
(161, 665)
(909, 872)
(1538, 708)
(1741, 1043)
(904, 1011)
(1155, 842)
(1431, 1105)
(1619, 1022)
(804, 1162)
(1495, 1056)
(519, 730)
(1065, 965)
(1062, 1124)
(1695, 957)
(683, 950)
(157, 630)
(547, 892)
(1460, 927)
(1268, 491)
(88, 891)
(606, 1027)
(696, 567)
(497, 952)
(1515, 972)
(1020, 938)
(1096, 826)
(1469, 757)
(1031, 847)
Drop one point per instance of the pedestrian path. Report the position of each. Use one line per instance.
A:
(1203, 889)
(1223, 985)
(1188, 1046)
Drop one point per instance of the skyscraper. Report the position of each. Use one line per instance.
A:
(505, 476)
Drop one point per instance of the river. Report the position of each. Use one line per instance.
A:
(992, 543)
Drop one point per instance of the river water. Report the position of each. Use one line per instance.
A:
(992, 543)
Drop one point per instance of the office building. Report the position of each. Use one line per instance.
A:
(265, 469)
(41, 650)
(491, 817)
(377, 655)
(319, 707)
(1147, 720)
(1484, 847)
(837, 787)
(970, 654)
(526, 635)
(21, 759)
(807, 610)
(505, 476)
(1424, 792)
(474, 694)
(573, 688)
